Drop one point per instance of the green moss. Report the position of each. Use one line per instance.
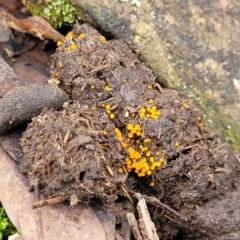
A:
(6, 227)
(58, 13)
(217, 120)
(231, 136)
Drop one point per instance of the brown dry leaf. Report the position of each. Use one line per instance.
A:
(36, 26)
(59, 221)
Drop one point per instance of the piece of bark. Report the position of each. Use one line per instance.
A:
(23, 103)
(146, 224)
(134, 226)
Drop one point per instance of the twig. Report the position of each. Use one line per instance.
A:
(49, 201)
(126, 193)
(146, 225)
(166, 216)
(238, 158)
(159, 87)
(134, 226)
(155, 202)
(38, 213)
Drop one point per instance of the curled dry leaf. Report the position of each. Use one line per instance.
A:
(34, 25)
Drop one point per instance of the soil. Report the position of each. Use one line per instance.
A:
(121, 131)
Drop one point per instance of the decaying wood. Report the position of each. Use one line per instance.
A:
(144, 227)
(146, 224)
(155, 202)
(134, 226)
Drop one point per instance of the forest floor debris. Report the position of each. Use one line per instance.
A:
(120, 131)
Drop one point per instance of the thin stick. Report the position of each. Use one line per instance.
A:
(155, 202)
(48, 169)
(126, 193)
(49, 201)
(38, 213)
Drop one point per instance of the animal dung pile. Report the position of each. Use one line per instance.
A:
(122, 131)
(70, 155)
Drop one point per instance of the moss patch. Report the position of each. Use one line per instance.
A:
(6, 227)
(217, 119)
(58, 13)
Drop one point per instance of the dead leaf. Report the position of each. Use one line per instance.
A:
(34, 25)
(59, 221)
(108, 221)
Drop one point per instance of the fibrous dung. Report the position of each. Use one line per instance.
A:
(121, 129)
